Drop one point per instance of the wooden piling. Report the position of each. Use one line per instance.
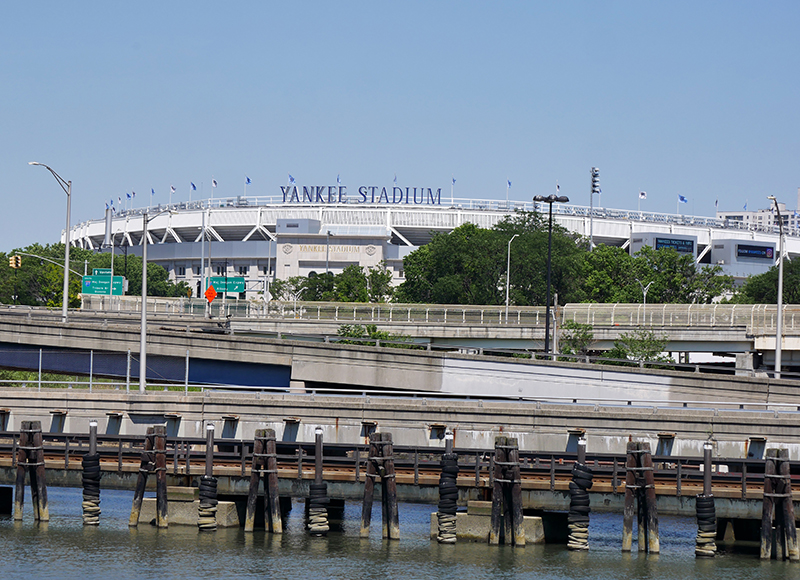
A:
(41, 509)
(30, 460)
(767, 508)
(369, 486)
(630, 490)
(146, 466)
(389, 486)
(497, 491)
(160, 436)
(22, 467)
(790, 529)
(651, 511)
(256, 467)
(272, 503)
(516, 494)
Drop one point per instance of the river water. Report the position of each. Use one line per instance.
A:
(64, 548)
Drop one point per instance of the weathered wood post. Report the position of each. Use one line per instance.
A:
(30, 459)
(506, 521)
(22, 468)
(256, 469)
(767, 507)
(160, 445)
(497, 492)
(705, 543)
(272, 502)
(790, 529)
(369, 484)
(148, 464)
(90, 464)
(207, 508)
(778, 529)
(651, 513)
(41, 511)
(380, 463)
(317, 503)
(515, 485)
(630, 492)
(389, 486)
(640, 483)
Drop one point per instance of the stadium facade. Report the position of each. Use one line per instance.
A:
(309, 230)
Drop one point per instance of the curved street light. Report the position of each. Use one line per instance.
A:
(508, 271)
(143, 333)
(550, 200)
(779, 323)
(644, 296)
(67, 187)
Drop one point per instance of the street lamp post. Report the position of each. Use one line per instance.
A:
(644, 296)
(549, 200)
(67, 187)
(779, 324)
(143, 333)
(508, 271)
(327, 250)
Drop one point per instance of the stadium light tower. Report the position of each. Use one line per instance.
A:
(67, 187)
(595, 190)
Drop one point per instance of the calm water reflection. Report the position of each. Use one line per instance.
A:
(63, 548)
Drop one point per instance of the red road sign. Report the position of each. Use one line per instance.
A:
(211, 294)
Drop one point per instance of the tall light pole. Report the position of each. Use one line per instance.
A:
(143, 333)
(595, 190)
(779, 324)
(327, 250)
(644, 296)
(67, 187)
(508, 271)
(549, 200)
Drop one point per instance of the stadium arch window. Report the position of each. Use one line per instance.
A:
(243, 270)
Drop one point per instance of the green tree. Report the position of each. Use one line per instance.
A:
(286, 290)
(379, 282)
(318, 288)
(763, 288)
(39, 281)
(351, 285)
(638, 345)
(611, 275)
(576, 338)
(468, 265)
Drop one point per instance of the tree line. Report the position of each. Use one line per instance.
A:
(40, 279)
(464, 266)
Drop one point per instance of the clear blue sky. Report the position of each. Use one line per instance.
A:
(694, 98)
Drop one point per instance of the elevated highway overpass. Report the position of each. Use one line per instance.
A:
(690, 328)
(188, 349)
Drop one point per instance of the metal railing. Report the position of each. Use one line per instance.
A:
(755, 318)
(437, 216)
(296, 460)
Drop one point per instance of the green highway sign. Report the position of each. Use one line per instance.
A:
(222, 284)
(101, 272)
(99, 285)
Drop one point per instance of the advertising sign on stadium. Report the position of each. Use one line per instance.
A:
(680, 246)
(762, 252)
